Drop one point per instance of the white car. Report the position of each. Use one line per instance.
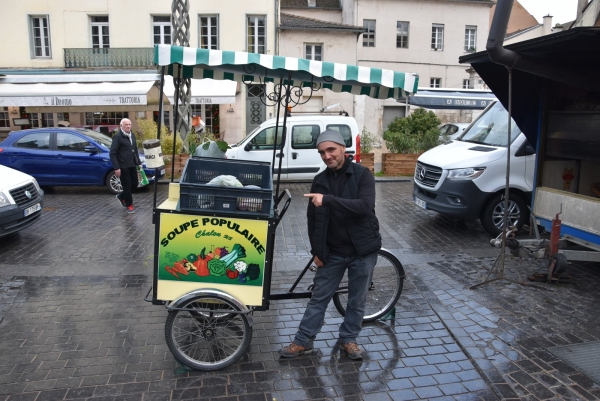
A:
(452, 131)
(21, 200)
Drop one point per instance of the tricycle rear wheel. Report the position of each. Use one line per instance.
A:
(205, 340)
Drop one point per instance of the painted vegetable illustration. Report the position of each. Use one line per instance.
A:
(253, 271)
(202, 263)
(218, 267)
(220, 252)
(232, 274)
(237, 269)
(177, 269)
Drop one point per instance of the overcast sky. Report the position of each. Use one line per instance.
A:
(562, 10)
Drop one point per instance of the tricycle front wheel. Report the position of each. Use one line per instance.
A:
(205, 340)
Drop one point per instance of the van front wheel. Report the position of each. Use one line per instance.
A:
(492, 215)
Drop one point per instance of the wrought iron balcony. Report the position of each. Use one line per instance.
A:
(125, 57)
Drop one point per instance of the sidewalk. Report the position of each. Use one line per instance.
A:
(74, 324)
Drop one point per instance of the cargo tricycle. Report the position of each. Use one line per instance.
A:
(214, 244)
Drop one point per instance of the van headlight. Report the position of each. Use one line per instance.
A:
(4, 200)
(465, 173)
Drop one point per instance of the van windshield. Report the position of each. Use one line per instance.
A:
(491, 128)
(246, 137)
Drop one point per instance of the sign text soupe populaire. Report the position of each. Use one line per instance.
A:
(214, 222)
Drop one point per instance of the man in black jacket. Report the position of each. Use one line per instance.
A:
(344, 235)
(125, 159)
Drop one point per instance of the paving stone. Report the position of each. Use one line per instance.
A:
(118, 340)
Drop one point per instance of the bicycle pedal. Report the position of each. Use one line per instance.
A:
(311, 287)
(313, 268)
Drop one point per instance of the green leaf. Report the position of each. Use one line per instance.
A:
(205, 145)
(223, 146)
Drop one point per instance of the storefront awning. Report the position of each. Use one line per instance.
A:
(76, 90)
(205, 91)
(467, 99)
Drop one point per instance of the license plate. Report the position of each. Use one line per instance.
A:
(162, 171)
(32, 209)
(421, 203)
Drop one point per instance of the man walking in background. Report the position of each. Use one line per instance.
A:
(125, 159)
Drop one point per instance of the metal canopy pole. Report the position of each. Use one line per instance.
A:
(176, 82)
(159, 125)
(276, 131)
(283, 136)
(502, 256)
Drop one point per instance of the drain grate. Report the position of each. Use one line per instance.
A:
(584, 357)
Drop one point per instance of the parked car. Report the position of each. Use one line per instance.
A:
(301, 159)
(21, 201)
(452, 131)
(63, 156)
(466, 178)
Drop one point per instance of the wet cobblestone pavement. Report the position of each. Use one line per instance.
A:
(74, 326)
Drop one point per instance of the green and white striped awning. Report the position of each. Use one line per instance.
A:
(187, 62)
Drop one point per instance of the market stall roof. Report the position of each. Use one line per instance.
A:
(455, 99)
(77, 90)
(205, 91)
(252, 67)
(573, 57)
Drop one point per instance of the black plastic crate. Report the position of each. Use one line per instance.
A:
(195, 195)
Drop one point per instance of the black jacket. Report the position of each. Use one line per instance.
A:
(357, 204)
(123, 153)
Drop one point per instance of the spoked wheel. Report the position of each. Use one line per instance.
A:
(206, 340)
(384, 291)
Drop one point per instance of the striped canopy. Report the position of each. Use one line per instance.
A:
(251, 67)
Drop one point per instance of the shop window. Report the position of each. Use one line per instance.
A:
(4, 119)
(105, 117)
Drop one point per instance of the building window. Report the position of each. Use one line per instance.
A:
(40, 36)
(161, 28)
(467, 84)
(100, 32)
(257, 34)
(166, 119)
(34, 120)
(47, 120)
(105, 117)
(402, 34)
(369, 35)
(435, 83)
(437, 37)
(209, 32)
(4, 120)
(313, 51)
(470, 38)
(62, 117)
(205, 113)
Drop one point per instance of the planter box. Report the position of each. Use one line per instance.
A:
(368, 160)
(180, 161)
(399, 163)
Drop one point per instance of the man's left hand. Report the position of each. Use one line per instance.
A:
(317, 199)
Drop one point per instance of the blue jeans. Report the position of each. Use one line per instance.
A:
(326, 282)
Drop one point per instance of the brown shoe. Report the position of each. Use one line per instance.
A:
(293, 350)
(352, 350)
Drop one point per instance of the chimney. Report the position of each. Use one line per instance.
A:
(581, 4)
(547, 29)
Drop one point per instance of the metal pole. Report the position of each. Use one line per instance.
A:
(507, 188)
(160, 101)
(276, 130)
(177, 82)
(283, 136)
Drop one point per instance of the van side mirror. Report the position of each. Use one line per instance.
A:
(248, 147)
(90, 149)
(525, 150)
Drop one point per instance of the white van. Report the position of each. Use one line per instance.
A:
(301, 160)
(466, 177)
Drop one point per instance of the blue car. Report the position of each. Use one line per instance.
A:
(63, 156)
